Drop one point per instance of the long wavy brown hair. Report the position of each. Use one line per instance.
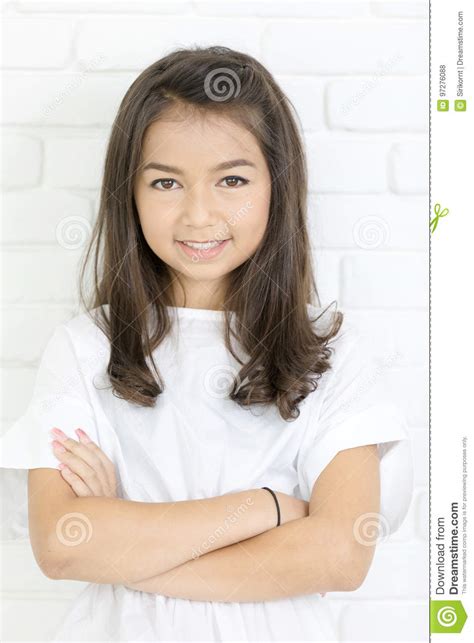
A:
(268, 293)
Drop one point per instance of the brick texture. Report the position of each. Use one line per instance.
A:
(357, 74)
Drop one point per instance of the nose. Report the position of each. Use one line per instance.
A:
(199, 208)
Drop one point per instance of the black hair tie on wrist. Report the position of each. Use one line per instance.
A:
(276, 502)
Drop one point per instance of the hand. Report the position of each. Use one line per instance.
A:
(291, 508)
(84, 466)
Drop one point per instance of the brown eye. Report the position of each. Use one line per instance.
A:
(234, 180)
(165, 184)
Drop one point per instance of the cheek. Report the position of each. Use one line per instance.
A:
(154, 232)
(251, 220)
(156, 223)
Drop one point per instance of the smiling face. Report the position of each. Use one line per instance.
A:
(203, 178)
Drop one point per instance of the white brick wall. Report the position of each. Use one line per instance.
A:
(357, 74)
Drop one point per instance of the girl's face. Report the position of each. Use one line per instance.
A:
(203, 178)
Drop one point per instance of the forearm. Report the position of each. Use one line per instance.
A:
(303, 556)
(125, 541)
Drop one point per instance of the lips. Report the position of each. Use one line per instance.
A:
(204, 252)
(205, 241)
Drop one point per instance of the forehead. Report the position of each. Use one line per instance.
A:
(181, 131)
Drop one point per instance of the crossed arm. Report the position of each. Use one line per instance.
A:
(148, 546)
(293, 559)
(319, 553)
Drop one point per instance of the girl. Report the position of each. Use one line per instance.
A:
(202, 371)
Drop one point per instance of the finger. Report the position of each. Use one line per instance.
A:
(95, 467)
(80, 450)
(79, 467)
(107, 463)
(74, 481)
(92, 446)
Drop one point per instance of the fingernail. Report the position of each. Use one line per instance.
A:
(57, 433)
(58, 446)
(83, 435)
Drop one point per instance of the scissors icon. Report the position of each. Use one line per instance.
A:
(439, 214)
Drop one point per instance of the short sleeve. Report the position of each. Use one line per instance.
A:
(355, 408)
(59, 399)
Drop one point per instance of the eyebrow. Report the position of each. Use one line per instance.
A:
(227, 165)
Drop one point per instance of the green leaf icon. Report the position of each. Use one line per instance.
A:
(447, 617)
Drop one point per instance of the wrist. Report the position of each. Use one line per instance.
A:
(272, 507)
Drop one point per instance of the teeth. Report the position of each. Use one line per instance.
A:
(202, 246)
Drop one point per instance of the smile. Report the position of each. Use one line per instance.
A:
(205, 250)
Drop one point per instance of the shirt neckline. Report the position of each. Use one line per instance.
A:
(197, 313)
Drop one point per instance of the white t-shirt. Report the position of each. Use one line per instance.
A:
(197, 443)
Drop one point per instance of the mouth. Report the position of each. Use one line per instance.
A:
(202, 249)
